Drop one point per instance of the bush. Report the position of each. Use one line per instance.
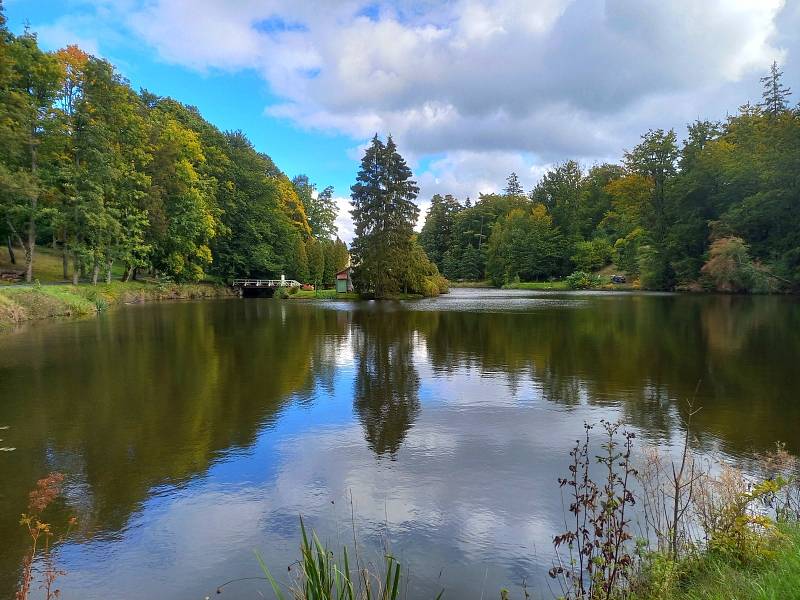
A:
(581, 280)
(730, 269)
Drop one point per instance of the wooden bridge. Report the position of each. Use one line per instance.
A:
(265, 283)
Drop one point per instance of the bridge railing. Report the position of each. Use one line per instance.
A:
(266, 283)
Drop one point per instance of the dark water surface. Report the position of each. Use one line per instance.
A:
(193, 433)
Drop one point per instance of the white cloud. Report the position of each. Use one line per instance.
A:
(491, 85)
(344, 222)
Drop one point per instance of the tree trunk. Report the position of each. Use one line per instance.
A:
(65, 260)
(76, 268)
(134, 273)
(110, 266)
(11, 256)
(31, 245)
(95, 272)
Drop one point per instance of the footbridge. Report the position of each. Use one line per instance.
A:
(248, 288)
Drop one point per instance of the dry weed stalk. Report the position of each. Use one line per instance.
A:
(41, 537)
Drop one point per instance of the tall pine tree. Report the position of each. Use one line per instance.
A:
(775, 95)
(384, 214)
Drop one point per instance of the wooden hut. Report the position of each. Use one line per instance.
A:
(344, 283)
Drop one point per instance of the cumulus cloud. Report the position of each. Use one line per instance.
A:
(482, 81)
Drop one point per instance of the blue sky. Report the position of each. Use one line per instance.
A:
(470, 89)
(230, 100)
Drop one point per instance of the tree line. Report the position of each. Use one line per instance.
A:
(114, 177)
(720, 209)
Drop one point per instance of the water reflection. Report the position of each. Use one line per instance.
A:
(387, 383)
(194, 432)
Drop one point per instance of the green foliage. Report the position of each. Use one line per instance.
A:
(384, 214)
(592, 255)
(655, 271)
(140, 181)
(580, 280)
(523, 245)
(436, 235)
(657, 209)
(320, 207)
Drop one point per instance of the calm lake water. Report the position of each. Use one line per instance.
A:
(194, 433)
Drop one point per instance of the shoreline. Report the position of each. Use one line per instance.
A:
(27, 303)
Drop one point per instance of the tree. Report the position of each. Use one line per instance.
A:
(320, 207)
(256, 236)
(775, 96)
(592, 255)
(316, 261)
(384, 214)
(183, 216)
(513, 186)
(436, 234)
(523, 245)
(30, 88)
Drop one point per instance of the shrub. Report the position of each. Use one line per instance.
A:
(730, 269)
(593, 558)
(581, 280)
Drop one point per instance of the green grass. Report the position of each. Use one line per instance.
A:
(19, 303)
(711, 577)
(471, 284)
(537, 285)
(47, 265)
(330, 294)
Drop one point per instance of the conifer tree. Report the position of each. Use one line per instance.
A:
(384, 214)
(513, 186)
(775, 95)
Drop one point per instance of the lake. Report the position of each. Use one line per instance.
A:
(193, 433)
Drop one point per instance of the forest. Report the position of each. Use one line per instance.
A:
(718, 210)
(114, 178)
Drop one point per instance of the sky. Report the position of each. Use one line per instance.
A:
(470, 89)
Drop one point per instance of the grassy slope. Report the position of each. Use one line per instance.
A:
(720, 578)
(20, 303)
(47, 265)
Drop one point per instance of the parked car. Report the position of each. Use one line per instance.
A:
(618, 279)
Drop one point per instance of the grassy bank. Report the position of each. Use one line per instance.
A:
(331, 294)
(20, 303)
(324, 574)
(537, 285)
(472, 284)
(719, 577)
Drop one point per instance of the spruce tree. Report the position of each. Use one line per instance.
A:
(384, 214)
(513, 186)
(775, 95)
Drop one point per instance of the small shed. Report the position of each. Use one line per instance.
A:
(344, 283)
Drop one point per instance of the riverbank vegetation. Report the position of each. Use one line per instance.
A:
(699, 532)
(29, 303)
(120, 183)
(716, 210)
